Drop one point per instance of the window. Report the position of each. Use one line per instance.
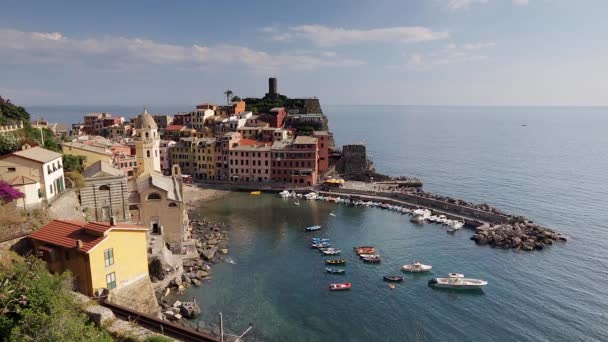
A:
(111, 281)
(104, 187)
(108, 257)
(148, 154)
(172, 205)
(153, 196)
(12, 169)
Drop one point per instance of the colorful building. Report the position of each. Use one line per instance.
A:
(38, 164)
(249, 161)
(295, 161)
(323, 138)
(99, 255)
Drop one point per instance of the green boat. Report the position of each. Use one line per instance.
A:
(335, 262)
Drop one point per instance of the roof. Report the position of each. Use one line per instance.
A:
(319, 133)
(101, 169)
(279, 145)
(174, 128)
(37, 154)
(66, 233)
(305, 140)
(88, 147)
(22, 180)
(145, 120)
(276, 109)
(165, 183)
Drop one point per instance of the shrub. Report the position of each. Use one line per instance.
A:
(8, 193)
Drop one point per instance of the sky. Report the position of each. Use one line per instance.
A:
(375, 52)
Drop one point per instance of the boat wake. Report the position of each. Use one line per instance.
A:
(230, 261)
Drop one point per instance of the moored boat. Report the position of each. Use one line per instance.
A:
(339, 286)
(255, 193)
(458, 281)
(334, 270)
(284, 194)
(312, 228)
(455, 225)
(330, 251)
(320, 245)
(335, 261)
(417, 266)
(317, 239)
(365, 250)
(372, 260)
(368, 256)
(393, 278)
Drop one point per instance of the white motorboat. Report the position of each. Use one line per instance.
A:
(458, 281)
(330, 251)
(363, 256)
(284, 194)
(311, 196)
(455, 225)
(442, 219)
(417, 218)
(417, 266)
(332, 214)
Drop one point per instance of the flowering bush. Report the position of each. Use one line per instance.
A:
(8, 193)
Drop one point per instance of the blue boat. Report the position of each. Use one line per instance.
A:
(334, 270)
(320, 245)
(312, 228)
(315, 240)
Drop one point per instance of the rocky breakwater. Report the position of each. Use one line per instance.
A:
(211, 240)
(519, 233)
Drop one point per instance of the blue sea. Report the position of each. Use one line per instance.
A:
(547, 163)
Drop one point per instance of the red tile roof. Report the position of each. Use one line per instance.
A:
(174, 127)
(66, 233)
(22, 180)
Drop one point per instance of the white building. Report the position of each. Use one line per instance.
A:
(38, 164)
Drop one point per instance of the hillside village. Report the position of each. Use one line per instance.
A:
(109, 194)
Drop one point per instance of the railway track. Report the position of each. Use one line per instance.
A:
(166, 328)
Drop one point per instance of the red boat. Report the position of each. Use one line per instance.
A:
(339, 287)
(365, 250)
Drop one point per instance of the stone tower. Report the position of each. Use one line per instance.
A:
(147, 142)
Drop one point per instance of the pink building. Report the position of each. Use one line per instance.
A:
(323, 138)
(295, 161)
(222, 149)
(249, 161)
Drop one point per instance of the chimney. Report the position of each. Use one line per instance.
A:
(112, 221)
(79, 244)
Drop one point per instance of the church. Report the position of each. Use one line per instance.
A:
(157, 201)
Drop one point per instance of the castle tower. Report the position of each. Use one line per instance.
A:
(147, 142)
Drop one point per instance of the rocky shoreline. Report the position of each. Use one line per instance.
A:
(210, 241)
(519, 234)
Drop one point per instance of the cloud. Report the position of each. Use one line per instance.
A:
(332, 36)
(19, 47)
(451, 54)
(463, 4)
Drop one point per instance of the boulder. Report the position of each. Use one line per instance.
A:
(224, 251)
(202, 274)
(190, 309)
(212, 242)
(209, 253)
(177, 304)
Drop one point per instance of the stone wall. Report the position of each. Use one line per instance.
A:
(138, 296)
(66, 207)
(101, 203)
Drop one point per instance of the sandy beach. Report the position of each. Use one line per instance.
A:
(194, 194)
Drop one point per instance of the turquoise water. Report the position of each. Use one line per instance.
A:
(552, 170)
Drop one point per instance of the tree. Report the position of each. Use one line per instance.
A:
(228, 93)
(235, 99)
(8, 143)
(8, 193)
(77, 178)
(38, 306)
(73, 163)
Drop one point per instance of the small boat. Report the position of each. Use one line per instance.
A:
(372, 260)
(417, 267)
(339, 287)
(312, 228)
(320, 245)
(255, 192)
(335, 262)
(458, 281)
(365, 250)
(392, 286)
(311, 196)
(332, 214)
(368, 256)
(455, 225)
(334, 270)
(317, 239)
(393, 278)
(330, 251)
(284, 194)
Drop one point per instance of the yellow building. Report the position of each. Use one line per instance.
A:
(92, 153)
(100, 255)
(204, 158)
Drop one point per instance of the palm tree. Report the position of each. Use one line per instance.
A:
(228, 93)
